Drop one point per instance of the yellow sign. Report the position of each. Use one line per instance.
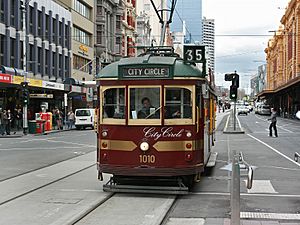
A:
(31, 82)
(83, 48)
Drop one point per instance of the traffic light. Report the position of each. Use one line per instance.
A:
(25, 93)
(233, 92)
(234, 78)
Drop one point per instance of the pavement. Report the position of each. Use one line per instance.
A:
(19, 134)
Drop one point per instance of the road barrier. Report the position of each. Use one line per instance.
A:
(238, 162)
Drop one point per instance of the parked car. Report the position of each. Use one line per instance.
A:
(264, 110)
(242, 109)
(84, 118)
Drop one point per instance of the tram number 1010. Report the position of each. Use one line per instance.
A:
(147, 158)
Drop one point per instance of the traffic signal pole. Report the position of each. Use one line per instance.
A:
(234, 116)
(25, 109)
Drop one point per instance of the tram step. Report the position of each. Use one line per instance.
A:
(212, 159)
(145, 189)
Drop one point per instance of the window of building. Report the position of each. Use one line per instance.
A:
(81, 36)
(118, 22)
(100, 34)
(60, 36)
(12, 52)
(47, 62)
(67, 36)
(80, 63)
(12, 13)
(82, 8)
(67, 60)
(2, 49)
(54, 60)
(47, 27)
(99, 10)
(39, 22)
(2, 11)
(30, 62)
(39, 60)
(31, 19)
(53, 30)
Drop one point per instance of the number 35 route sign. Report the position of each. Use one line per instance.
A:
(194, 53)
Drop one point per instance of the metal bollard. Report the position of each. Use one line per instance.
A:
(235, 191)
(296, 157)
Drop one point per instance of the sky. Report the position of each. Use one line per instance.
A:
(242, 17)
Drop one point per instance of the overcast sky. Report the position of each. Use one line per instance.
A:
(242, 17)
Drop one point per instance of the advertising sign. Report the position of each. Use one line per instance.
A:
(5, 78)
(52, 85)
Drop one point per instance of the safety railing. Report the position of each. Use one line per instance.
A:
(238, 163)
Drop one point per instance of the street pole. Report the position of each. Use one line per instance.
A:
(235, 190)
(234, 115)
(25, 119)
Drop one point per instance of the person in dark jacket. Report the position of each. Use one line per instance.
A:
(273, 123)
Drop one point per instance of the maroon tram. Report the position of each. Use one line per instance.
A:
(155, 123)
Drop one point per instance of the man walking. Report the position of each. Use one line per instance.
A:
(1, 122)
(273, 123)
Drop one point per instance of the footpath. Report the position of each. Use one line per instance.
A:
(19, 134)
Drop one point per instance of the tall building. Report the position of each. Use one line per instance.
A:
(129, 27)
(48, 53)
(283, 59)
(108, 26)
(189, 11)
(144, 7)
(208, 29)
(82, 36)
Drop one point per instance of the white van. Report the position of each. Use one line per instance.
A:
(84, 118)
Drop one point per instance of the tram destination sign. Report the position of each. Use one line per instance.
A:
(146, 72)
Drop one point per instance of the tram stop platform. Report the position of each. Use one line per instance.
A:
(233, 125)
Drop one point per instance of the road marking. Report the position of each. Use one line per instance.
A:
(246, 194)
(276, 216)
(180, 221)
(275, 150)
(239, 122)
(261, 186)
(226, 125)
(40, 148)
(66, 142)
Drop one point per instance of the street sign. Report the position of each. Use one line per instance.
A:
(194, 53)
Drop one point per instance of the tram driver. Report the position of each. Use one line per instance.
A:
(147, 111)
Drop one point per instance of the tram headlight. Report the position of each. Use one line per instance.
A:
(104, 133)
(144, 146)
(189, 134)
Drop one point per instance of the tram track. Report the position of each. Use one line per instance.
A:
(27, 183)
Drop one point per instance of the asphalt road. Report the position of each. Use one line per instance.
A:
(60, 193)
(21, 155)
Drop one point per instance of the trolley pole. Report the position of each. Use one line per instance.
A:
(235, 191)
(25, 109)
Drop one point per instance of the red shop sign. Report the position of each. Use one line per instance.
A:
(5, 78)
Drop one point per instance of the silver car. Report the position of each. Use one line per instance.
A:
(264, 110)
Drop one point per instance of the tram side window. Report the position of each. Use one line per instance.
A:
(114, 103)
(178, 103)
(145, 103)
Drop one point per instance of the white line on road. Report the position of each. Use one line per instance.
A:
(273, 149)
(66, 142)
(246, 194)
(275, 216)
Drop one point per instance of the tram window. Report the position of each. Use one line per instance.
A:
(114, 103)
(178, 103)
(145, 103)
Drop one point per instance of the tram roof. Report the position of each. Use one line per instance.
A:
(171, 66)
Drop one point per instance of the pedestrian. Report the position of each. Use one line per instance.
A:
(1, 122)
(7, 121)
(71, 119)
(59, 117)
(273, 122)
(18, 119)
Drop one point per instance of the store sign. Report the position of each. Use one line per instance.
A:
(5, 78)
(83, 50)
(76, 89)
(53, 85)
(150, 72)
(41, 95)
(31, 82)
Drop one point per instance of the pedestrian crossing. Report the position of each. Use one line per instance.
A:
(261, 186)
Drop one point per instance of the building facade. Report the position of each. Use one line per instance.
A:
(48, 52)
(190, 12)
(208, 30)
(283, 60)
(108, 27)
